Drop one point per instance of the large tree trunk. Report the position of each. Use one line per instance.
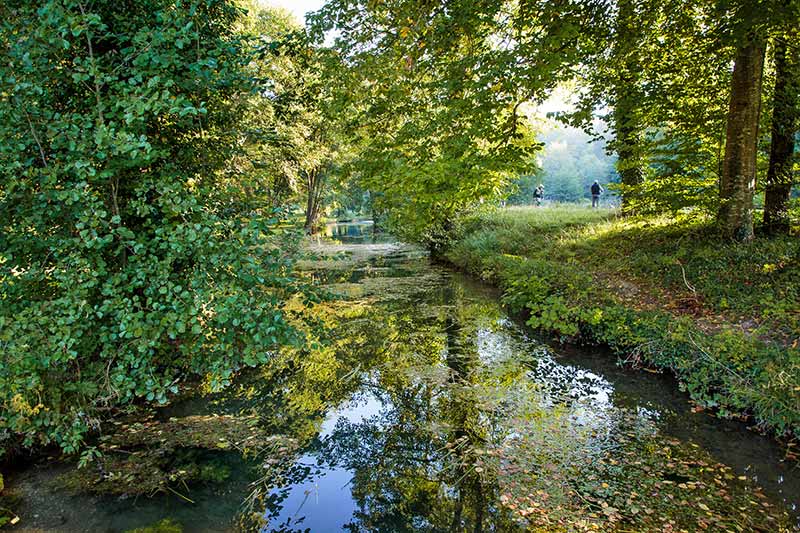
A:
(785, 115)
(315, 184)
(738, 179)
(627, 124)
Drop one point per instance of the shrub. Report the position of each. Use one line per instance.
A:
(126, 262)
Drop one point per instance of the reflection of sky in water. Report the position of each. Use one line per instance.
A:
(356, 232)
(590, 394)
(590, 409)
(507, 342)
(565, 381)
(355, 411)
(494, 345)
(320, 503)
(323, 502)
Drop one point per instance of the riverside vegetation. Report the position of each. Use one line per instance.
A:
(431, 407)
(152, 159)
(663, 293)
(162, 160)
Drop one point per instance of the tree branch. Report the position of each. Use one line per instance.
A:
(36, 138)
(100, 116)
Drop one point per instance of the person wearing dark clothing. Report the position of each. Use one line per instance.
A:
(597, 190)
(538, 194)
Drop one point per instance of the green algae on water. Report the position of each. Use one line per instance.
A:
(149, 457)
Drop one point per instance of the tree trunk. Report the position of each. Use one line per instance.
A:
(738, 179)
(315, 180)
(785, 115)
(627, 124)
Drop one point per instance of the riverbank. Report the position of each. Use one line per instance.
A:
(425, 390)
(662, 294)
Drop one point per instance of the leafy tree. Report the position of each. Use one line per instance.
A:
(263, 157)
(308, 125)
(688, 79)
(751, 27)
(737, 182)
(785, 122)
(661, 72)
(438, 104)
(627, 96)
(301, 146)
(640, 71)
(130, 257)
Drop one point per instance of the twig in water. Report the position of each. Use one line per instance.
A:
(179, 495)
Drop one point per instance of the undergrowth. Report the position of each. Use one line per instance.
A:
(662, 293)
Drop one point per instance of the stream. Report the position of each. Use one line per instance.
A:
(429, 409)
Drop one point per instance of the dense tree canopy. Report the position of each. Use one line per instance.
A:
(439, 117)
(132, 250)
(439, 83)
(154, 151)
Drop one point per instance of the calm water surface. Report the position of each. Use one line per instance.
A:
(419, 416)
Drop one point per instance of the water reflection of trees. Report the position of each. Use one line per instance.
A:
(413, 463)
(419, 465)
(470, 415)
(472, 418)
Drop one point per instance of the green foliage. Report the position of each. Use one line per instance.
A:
(438, 102)
(438, 92)
(262, 156)
(659, 74)
(309, 150)
(739, 357)
(147, 149)
(130, 258)
(670, 131)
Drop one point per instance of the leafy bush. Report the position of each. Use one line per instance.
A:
(125, 265)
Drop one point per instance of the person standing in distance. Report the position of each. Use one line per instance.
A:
(597, 190)
(538, 195)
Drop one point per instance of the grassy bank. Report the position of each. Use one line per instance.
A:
(666, 294)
